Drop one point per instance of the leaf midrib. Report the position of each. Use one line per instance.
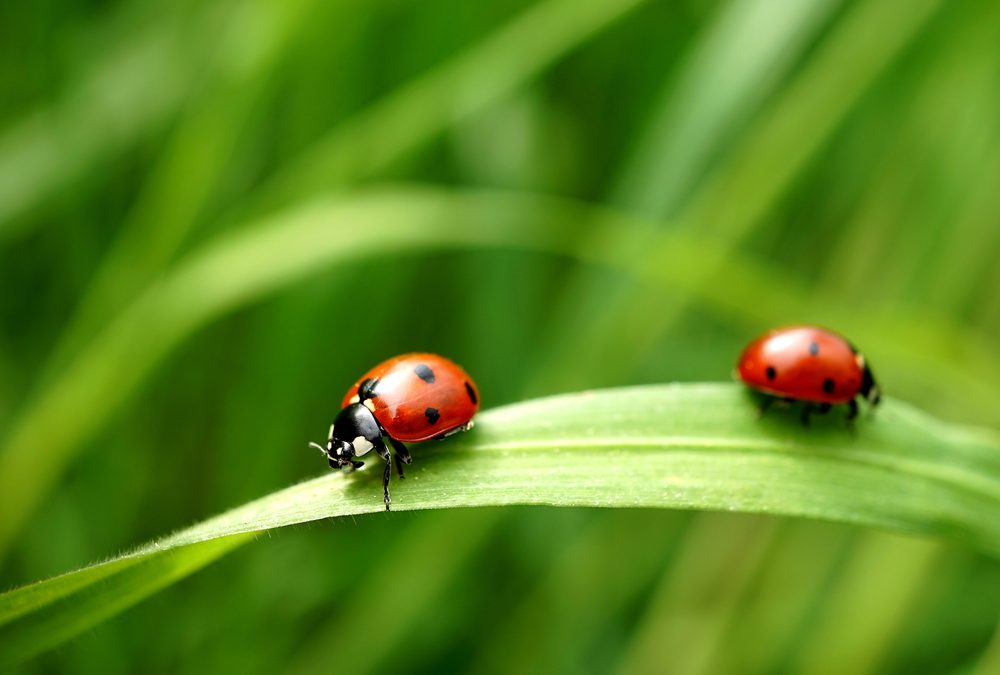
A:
(971, 482)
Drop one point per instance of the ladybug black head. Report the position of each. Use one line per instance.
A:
(339, 452)
(353, 433)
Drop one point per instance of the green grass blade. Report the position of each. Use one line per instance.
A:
(422, 543)
(111, 106)
(853, 631)
(582, 557)
(38, 617)
(696, 446)
(742, 56)
(261, 259)
(812, 107)
(731, 202)
(720, 557)
(988, 662)
(471, 81)
(369, 141)
(176, 191)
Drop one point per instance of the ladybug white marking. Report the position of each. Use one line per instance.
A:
(362, 446)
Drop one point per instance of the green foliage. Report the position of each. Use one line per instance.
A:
(213, 216)
(681, 446)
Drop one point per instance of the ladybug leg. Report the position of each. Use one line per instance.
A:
(852, 410)
(402, 455)
(807, 409)
(385, 483)
(765, 404)
(383, 452)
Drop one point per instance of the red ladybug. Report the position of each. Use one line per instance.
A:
(805, 363)
(413, 397)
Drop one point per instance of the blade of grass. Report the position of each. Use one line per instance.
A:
(111, 104)
(236, 271)
(783, 597)
(99, 595)
(856, 626)
(865, 42)
(695, 600)
(943, 145)
(738, 61)
(411, 604)
(168, 206)
(988, 662)
(366, 143)
(469, 82)
(619, 323)
(597, 551)
(373, 139)
(699, 446)
(735, 198)
(730, 69)
(262, 258)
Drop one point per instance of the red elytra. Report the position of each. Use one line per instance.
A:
(806, 363)
(419, 396)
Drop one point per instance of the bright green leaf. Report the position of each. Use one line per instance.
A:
(696, 446)
(268, 256)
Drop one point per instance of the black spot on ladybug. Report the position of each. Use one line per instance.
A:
(829, 385)
(813, 348)
(472, 393)
(771, 372)
(424, 373)
(432, 415)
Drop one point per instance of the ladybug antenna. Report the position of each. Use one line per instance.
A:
(329, 446)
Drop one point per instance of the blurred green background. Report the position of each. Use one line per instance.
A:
(834, 161)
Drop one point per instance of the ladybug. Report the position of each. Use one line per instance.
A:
(408, 398)
(809, 364)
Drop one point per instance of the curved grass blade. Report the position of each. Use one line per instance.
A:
(695, 446)
(733, 199)
(111, 106)
(735, 64)
(469, 82)
(370, 141)
(39, 617)
(252, 262)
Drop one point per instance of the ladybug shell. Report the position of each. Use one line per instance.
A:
(419, 396)
(804, 363)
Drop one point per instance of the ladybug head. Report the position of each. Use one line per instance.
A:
(339, 452)
(353, 433)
